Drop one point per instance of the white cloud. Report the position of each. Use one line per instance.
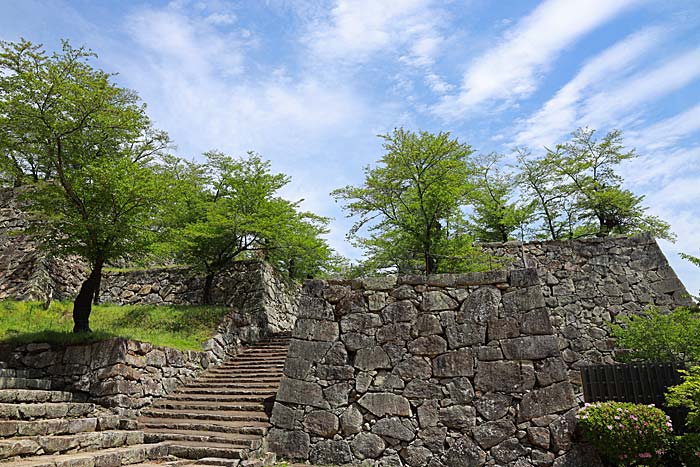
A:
(512, 69)
(357, 29)
(604, 107)
(559, 115)
(668, 132)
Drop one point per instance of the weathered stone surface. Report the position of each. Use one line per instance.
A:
(401, 311)
(458, 417)
(524, 277)
(394, 428)
(428, 346)
(465, 453)
(416, 456)
(493, 406)
(290, 444)
(414, 367)
(316, 330)
(550, 370)
(382, 404)
(455, 363)
(331, 452)
(351, 420)
(480, 306)
(355, 341)
(420, 389)
(321, 423)
(367, 446)
(536, 322)
(372, 358)
(551, 399)
(461, 390)
(283, 416)
(522, 300)
(427, 325)
(336, 355)
(359, 322)
(491, 433)
(463, 335)
(437, 301)
(530, 348)
(503, 376)
(337, 394)
(429, 413)
(538, 436)
(301, 392)
(508, 451)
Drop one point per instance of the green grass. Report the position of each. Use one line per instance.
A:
(182, 327)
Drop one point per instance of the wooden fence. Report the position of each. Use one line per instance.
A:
(643, 383)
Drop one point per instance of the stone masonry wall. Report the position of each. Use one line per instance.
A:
(438, 371)
(26, 273)
(589, 283)
(253, 287)
(122, 374)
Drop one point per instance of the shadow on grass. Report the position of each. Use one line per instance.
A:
(172, 319)
(57, 338)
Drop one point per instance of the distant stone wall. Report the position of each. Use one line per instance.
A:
(588, 283)
(252, 287)
(27, 273)
(443, 371)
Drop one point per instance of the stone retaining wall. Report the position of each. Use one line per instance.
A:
(588, 283)
(27, 273)
(253, 287)
(448, 370)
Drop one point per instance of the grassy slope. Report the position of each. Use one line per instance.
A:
(182, 327)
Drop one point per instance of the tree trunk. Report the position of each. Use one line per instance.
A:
(82, 306)
(206, 292)
(96, 296)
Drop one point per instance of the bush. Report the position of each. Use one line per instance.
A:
(687, 394)
(658, 336)
(686, 450)
(626, 434)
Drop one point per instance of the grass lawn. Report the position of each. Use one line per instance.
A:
(182, 327)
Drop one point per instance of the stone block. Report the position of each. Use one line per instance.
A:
(289, 444)
(382, 404)
(458, 417)
(315, 307)
(420, 389)
(321, 423)
(394, 428)
(438, 301)
(315, 330)
(494, 405)
(465, 335)
(524, 277)
(550, 400)
(301, 392)
(372, 358)
(464, 453)
(351, 420)
(536, 322)
(399, 312)
(454, 363)
(337, 394)
(530, 348)
(522, 300)
(427, 325)
(308, 350)
(427, 346)
(367, 446)
(480, 306)
(414, 367)
(501, 376)
(490, 434)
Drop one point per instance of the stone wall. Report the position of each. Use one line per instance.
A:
(589, 283)
(253, 287)
(27, 273)
(448, 370)
(122, 374)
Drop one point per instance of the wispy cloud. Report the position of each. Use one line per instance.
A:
(559, 115)
(513, 68)
(668, 132)
(356, 30)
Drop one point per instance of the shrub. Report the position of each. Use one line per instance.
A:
(687, 450)
(658, 336)
(687, 394)
(626, 434)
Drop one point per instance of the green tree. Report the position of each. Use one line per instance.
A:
(228, 209)
(496, 214)
(411, 203)
(588, 164)
(90, 148)
(658, 336)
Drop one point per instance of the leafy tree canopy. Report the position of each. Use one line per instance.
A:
(91, 145)
(411, 203)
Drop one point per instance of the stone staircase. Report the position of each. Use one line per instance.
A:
(224, 413)
(219, 419)
(40, 427)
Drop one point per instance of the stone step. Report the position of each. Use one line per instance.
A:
(251, 366)
(243, 380)
(218, 461)
(245, 427)
(246, 373)
(80, 442)
(60, 426)
(235, 440)
(128, 455)
(194, 450)
(208, 405)
(234, 383)
(14, 396)
(218, 397)
(219, 415)
(47, 410)
(10, 382)
(231, 391)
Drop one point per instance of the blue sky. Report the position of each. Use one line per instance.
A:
(309, 84)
